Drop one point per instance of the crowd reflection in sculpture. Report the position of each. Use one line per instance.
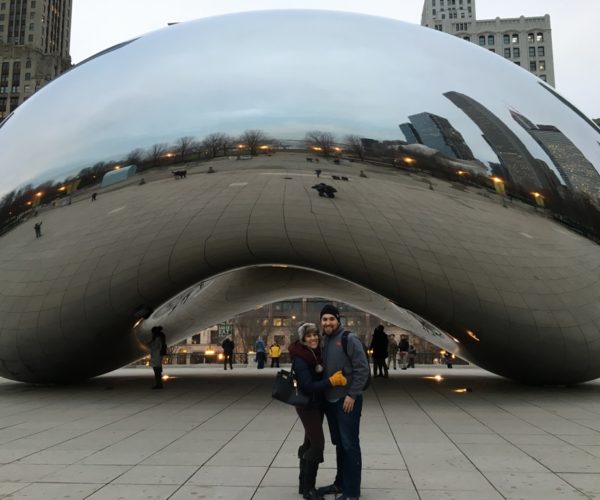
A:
(530, 152)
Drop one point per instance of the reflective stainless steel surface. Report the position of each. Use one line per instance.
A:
(467, 195)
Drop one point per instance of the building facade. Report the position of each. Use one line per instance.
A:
(526, 41)
(35, 38)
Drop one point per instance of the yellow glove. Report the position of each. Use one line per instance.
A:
(338, 379)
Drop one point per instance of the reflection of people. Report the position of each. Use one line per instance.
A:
(343, 405)
(392, 350)
(308, 366)
(379, 345)
(318, 172)
(448, 359)
(261, 355)
(158, 348)
(37, 227)
(412, 354)
(94, 196)
(275, 353)
(325, 190)
(228, 347)
(403, 348)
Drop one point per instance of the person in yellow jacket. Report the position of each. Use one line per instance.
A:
(275, 353)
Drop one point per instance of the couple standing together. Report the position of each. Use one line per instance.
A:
(333, 374)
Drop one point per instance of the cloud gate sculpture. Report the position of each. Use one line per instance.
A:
(180, 178)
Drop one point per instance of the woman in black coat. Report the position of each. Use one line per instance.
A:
(308, 366)
(379, 346)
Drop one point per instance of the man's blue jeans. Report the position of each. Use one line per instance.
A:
(344, 429)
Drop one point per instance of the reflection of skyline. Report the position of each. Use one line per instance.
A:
(516, 162)
(437, 133)
(574, 167)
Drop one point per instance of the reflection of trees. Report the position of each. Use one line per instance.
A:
(155, 154)
(214, 143)
(135, 157)
(355, 146)
(321, 141)
(253, 139)
(184, 146)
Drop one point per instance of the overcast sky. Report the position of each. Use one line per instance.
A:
(98, 24)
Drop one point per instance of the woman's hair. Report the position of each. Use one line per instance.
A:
(306, 328)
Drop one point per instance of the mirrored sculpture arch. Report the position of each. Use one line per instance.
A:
(397, 168)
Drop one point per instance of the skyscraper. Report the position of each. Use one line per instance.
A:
(34, 47)
(576, 170)
(436, 132)
(514, 156)
(526, 41)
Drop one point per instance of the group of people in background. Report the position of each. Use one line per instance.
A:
(388, 352)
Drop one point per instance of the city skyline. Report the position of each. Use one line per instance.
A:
(95, 28)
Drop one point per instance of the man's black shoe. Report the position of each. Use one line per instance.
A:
(332, 489)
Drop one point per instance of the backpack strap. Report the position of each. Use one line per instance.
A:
(345, 341)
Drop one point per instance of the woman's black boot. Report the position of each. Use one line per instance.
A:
(310, 478)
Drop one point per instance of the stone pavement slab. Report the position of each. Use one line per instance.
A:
(212, 434)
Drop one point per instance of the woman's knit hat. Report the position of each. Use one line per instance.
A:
(306, 328)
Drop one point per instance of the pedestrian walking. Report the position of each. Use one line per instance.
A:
(37, 227)
(158, 349)
(308, 366)
(228, 347)
(343, 405)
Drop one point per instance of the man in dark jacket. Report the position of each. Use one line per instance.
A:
(228, 346)
(343, 405)
(379, 346)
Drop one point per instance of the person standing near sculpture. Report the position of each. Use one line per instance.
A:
(158, 349)
(403, 348)
(392, 351)
(307, 364)
(261, 355)
(37, 227)
(379, 346)
(343, 405)
(228, 347)
(275, 353)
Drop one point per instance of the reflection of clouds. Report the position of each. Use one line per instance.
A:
(283, 72)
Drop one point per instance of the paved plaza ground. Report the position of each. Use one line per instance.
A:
(214, 434)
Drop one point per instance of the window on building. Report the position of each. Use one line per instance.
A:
(532, 66)
(277, 321)
(507, 53)
(467, 38)
(28, 63)
(482, 40)
(542, 66)
(530, 37)
(27, 76)
(531, 51)
(462, 15)
(514, 38)
(3, 6)
(196, 339)
(434, 12)
(506, 39)
(543, 77)
(492, 50)
(443, 16)
(516, 52)
(30, 38)
(540, 37)
(517, 63)
(491, 40)
(541, 51)
(33, 4)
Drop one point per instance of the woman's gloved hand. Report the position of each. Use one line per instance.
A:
(338, 379)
